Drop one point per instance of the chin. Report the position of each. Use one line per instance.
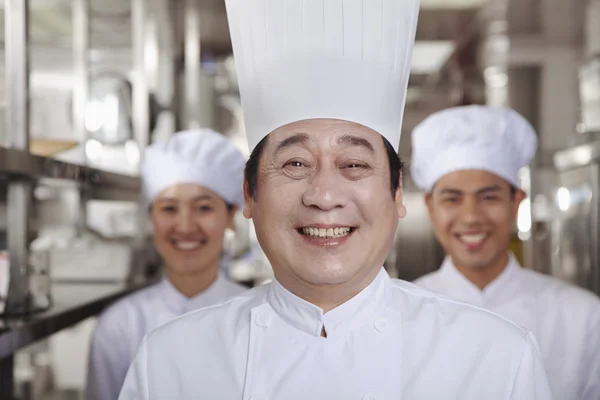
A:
(189, 269)
(475, 263)
(327, 274)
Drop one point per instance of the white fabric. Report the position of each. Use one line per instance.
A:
(122, 327)
(564, 319)
(348, 60)
(201, 156)
(391, 341)
(497, 140)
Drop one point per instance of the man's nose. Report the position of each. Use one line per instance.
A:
(326, 191)
(471, 211)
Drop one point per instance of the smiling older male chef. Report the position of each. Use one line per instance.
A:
(467, 159)
(323, 86)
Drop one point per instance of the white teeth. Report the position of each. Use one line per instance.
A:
(326, 233)
(186, 246)
(473, 239)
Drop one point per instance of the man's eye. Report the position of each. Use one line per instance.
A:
(295, 164)
(355, 165)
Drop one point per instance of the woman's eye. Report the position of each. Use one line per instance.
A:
(297, 164)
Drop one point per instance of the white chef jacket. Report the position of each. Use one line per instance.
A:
(391, 341)
(564, 319)
(122, 327)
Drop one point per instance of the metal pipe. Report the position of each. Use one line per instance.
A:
(17, 73)
(192, 64)
(81, 44)
(141, 109)
(19, 191)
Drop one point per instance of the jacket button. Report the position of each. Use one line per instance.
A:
(369, 396)
(380, 324)
(262, 320)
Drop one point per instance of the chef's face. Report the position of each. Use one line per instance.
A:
(189, 224)
(472, 212)
(323, 211)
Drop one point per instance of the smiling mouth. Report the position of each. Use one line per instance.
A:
(326, 233)
(188, 245)
(472, 239)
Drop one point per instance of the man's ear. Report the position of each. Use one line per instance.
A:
(248, 201)
(519, 196)
(398, 198)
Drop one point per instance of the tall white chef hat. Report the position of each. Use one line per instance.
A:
(203, 157)
(497, 140)
(338, 59)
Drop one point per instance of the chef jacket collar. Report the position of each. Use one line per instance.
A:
(180, 304)
(309, 318)
(502, 289)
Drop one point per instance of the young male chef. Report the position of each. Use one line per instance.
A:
(323, 86)
(467, 160)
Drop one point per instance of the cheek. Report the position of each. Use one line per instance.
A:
(502, 219)
(442, 220)
(276, 200)
(375, 192)
(161, 228)
(213, 226)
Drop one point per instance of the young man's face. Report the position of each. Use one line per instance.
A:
(472, 213)
(324, 213)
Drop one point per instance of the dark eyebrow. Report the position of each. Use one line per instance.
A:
(484, 190)
(489, 189)
(356, 141)
(292, 140)
(455, 192)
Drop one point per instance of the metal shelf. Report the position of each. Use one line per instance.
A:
(101, 185)
(578, 156)
(73, 302)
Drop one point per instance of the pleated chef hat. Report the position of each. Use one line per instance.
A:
(203, 157)
(497, 140)
(339, 59)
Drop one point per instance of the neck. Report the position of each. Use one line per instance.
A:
(192, 284)
(327, 296)
(482, 277)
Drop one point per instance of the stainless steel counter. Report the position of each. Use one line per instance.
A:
(72, 303)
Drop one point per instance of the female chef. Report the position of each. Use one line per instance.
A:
(193, 183)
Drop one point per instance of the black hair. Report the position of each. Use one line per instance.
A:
(251, 170)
